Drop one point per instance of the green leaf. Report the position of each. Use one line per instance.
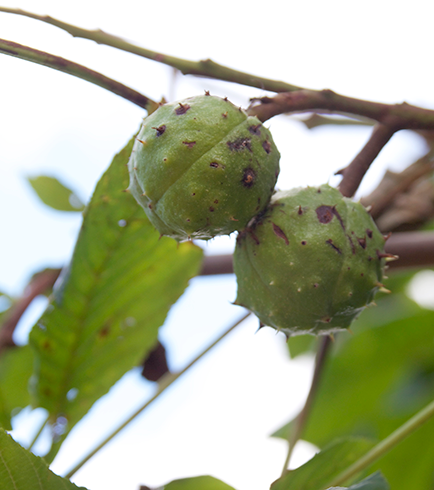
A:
(22, 470)
(376, 481)
(324, 466)
(198, 483)
(115, 294)
(376, 379)
(16, 367)
(54, 194)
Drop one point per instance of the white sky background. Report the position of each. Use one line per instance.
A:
(216, 420)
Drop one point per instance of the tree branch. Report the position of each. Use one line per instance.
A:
(204, 68)
(356, 170)
(397, 116)
(296, 430)
(415, 249)
(66, 66)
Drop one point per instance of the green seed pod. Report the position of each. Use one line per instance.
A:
(311, 263)
(202, 167)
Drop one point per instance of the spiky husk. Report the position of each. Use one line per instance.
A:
(311, 263)
(202, 167)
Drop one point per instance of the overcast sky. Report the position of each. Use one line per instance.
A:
(217, 420)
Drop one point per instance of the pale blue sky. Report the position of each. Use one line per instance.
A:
(53, 124)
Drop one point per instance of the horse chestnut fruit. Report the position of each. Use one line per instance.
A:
(202, 167)
(311, 263)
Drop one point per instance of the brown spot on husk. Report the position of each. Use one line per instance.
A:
(267, 146)
(255, 129)
(330, 242)
(190, 144)
(362, 242)
(324, 214)
(240, 144)
(255, 238)
(353, 248)
(160, 130)
(280, 233)
(182, 109)
(249, 177)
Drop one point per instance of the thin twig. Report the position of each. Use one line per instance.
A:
(204, 68)
(39, 432)
(415, 249)
(296, 430)
(385, 445)
(356, 170)
(396, 116)
(39, 284)
(66, 66)
(217, 264)
(315, 120)
(394, 184)
(164, 383)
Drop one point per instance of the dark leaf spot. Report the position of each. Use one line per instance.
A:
(211, 209)
(46, 345)
(304, 242)
(182, 109)
(280, 233)
(249, 177)
(214, 165)
(216, 201)
(240, 144)
(330, 242)
(104, 331)
(160, 130)
(255, 129)
(369, 232)
(316, 285)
